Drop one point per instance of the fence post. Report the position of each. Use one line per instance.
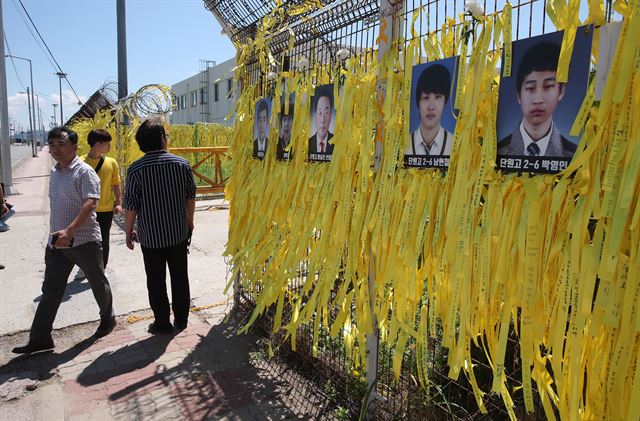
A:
(389, 32)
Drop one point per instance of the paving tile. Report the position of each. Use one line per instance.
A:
(188, 342)
(209, 394)
(142, 387)
(182, 353)
(173, 364)
(72, 387)
(168, 414)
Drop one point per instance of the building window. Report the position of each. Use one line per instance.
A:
(183, 102)
(204, 96)
(229, 87)
(194, 98)
(216, 92)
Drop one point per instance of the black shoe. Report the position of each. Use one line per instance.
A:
(106, 327)
(156, 328)
(179, 326)
(37, 345)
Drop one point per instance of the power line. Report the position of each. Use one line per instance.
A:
(49, 50)
(6, 42)
(53, 66)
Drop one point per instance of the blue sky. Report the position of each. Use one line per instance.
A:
(165, 41)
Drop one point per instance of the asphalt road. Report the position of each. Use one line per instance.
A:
(20, 152)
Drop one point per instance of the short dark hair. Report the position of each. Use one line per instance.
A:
(542, 57)
(58, 132)
(98, 135)
(283, 108)
(150, 134)
(324, 90)
(262, 106)
(435, 79)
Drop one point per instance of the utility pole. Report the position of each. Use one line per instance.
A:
(5, 149)
(61, 75)
(121, 15)
(31, 124)
(123, 84)
(34, 150)
(55, 123)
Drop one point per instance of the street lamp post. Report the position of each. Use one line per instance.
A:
(36, 108)
(39, 125)
(34, 150)
(55, 123)
(31, 122)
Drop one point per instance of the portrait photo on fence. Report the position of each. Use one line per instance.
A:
(322, 115)
(285, 123)
(432, 118)
(261, 127)
(535, 110)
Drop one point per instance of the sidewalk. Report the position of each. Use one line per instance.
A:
(204, 372)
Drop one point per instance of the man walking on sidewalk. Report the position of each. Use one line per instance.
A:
(161, 195)
(110, 202)
(74, 189)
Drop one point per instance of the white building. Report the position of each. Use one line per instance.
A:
(207, 97)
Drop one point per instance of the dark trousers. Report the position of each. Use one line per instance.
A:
(155, 265)
(104, 220)
(58, 266)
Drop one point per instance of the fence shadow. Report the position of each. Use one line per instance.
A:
(224, 374)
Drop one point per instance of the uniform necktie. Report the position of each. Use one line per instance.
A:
(533, 149)
(321, 147)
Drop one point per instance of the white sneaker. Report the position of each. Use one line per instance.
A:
(79, 275)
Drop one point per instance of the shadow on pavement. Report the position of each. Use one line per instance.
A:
(204, 372)
(74, 287)
(224, 374)
(124, 360)
(43, 365)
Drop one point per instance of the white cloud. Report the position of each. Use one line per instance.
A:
(19, 117)
(18, 111)
(69, 103)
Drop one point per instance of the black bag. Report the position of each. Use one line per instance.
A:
(97, 168)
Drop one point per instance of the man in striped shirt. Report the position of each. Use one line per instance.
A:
(160, 194)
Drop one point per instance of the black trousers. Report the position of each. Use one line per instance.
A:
(104, 220)
(58, 266)
(155, 265)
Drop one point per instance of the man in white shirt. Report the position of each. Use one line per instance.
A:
(539, 94)
(262, 119)
(74, 190)
(432, 94)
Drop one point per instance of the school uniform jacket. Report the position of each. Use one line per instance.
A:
(558, 146)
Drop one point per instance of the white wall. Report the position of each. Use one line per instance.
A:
(214, 111)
